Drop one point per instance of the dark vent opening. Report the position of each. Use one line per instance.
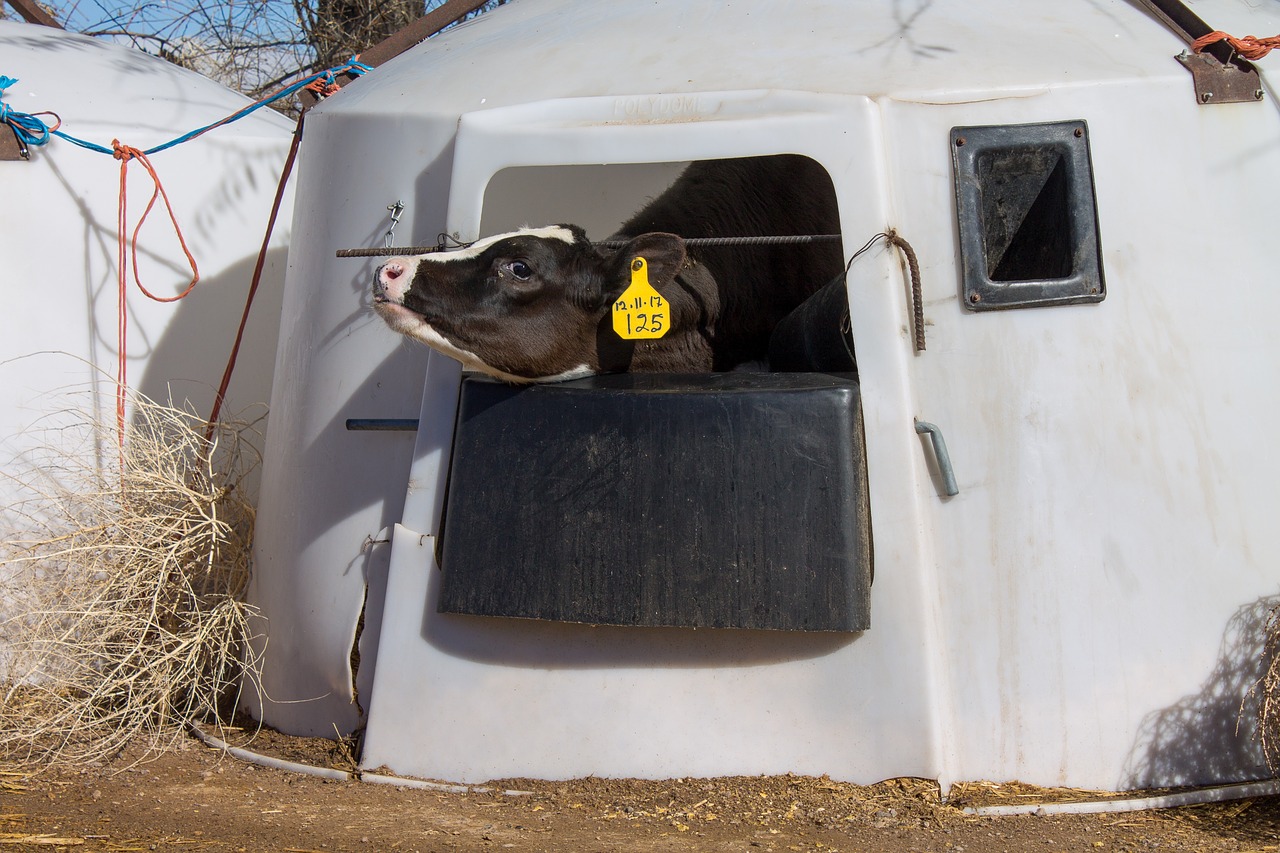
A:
(1026, 214)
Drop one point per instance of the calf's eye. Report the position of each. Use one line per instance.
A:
(521, 270)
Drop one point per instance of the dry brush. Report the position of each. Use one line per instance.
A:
(122, 581)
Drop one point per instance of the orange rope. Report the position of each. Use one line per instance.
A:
(323, 86)
(57, 118)
(126, 153)
(1250, 47)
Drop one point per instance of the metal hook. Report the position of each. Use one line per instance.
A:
(396, 209)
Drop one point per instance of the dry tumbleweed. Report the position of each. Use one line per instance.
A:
(122, 582)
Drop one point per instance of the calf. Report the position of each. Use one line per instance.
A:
(534, 305)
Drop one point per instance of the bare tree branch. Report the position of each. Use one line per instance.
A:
(252, 46)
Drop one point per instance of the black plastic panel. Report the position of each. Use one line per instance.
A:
(1027, 215)
(816, 335)
(732, 500)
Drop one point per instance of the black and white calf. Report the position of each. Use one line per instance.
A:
(534, 305)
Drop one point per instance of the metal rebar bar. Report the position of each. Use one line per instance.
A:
(775, 240)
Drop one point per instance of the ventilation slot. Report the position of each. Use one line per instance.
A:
(1027, 215)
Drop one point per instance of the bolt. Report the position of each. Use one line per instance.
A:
(1079, 132)
(1205, 97)
(959, 141)
(1257, 94)
(975, 297)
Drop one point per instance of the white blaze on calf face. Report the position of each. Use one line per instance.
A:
(550, 232)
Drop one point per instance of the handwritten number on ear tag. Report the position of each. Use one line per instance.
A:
(640, 312)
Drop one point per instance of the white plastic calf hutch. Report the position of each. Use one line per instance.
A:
(58, 235)
(1085, 611)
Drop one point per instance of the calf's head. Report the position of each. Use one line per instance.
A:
(529, 306)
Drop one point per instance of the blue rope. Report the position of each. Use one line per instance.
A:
(31, 130)
(35, 132)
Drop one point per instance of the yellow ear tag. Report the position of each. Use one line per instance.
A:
(640, 312)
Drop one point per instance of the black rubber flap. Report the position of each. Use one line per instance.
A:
(816, 335)
(732, 500)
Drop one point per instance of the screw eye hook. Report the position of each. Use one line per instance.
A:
(396, 209)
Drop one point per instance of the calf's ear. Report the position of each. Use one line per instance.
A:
(607, 274)
(663, 253)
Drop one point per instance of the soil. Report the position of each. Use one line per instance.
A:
(200, 799)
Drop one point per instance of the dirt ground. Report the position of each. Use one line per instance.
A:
(200, 799)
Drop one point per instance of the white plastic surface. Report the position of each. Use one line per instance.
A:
(58, 240)
(1085, 612)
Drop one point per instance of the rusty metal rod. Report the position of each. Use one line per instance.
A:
(33, 14)
(776, 240)
(1188, 26)
(917, 297)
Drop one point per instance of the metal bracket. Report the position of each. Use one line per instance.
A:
(11, 147)
(1219, 74)
(1221, 82)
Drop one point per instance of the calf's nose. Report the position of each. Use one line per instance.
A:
(392, 279)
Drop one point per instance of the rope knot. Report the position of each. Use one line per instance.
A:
(326, 82)
(324, 87)
(123, 153)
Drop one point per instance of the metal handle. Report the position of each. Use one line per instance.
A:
(383, 424)
(940, 454)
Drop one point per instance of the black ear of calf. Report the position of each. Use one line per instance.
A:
(663, 253)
